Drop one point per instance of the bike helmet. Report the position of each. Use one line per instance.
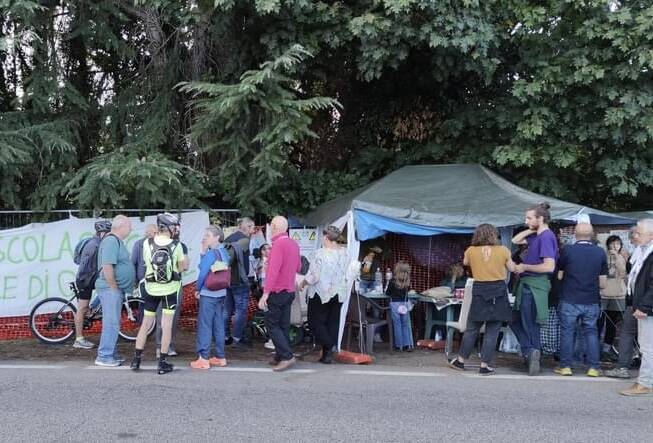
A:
(167, 220)
(102, 226)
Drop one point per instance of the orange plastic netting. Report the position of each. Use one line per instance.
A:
(429, 257)
(12, 328)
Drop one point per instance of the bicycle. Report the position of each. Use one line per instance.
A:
(52, 320)
(298, 334)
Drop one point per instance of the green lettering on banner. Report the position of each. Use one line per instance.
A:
(32, 293)
(9, 254)
(130, 240)
(63, 282)
(2, 252)
(65, 246)
(43, 258)
(46, 279)
(6, 287)
(35, 249)
(84, 235)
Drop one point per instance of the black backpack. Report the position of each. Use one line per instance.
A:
(161, 258)
(87, 271)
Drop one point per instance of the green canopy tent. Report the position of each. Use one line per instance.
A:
(428, 200)
(637, 215)
(437, 199)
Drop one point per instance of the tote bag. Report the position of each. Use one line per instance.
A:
(220, 276)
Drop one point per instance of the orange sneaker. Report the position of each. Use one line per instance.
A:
(215, 361)
(200, 363)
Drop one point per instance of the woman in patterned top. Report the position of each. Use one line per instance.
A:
(326, 278)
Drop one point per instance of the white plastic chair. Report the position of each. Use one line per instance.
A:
(461, 324)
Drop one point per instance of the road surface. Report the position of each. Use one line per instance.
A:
(74, 401)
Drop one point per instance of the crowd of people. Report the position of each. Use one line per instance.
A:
(597, 290)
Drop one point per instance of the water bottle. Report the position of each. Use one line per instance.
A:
(438, 335)
(388, 277)
(378, 280)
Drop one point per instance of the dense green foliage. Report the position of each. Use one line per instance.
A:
(279, 105)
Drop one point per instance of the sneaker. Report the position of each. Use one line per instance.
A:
(457, 365)
(228, 341)
(119, 358)
(200, 363)
(269, 345)
(592, 372)
(408, 348)
(563, 371)
(637, 390)
(327, 357)
(534, 362)
(82, 343)
(618, 373)
(109, 363)
(486, 370)
(172, 353)
(164, 367)
(284, 364)
(377, 338)
(219, 362)
(135, 364)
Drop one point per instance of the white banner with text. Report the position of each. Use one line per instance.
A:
(36, 261)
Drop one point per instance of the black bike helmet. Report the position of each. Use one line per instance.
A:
(103, 226)
(167, 220)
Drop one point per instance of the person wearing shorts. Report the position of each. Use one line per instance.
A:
(164, 262)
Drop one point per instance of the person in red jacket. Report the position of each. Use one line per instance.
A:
(279, 291)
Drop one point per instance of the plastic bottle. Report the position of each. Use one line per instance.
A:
(388, 277)
(438, 335)
(378, 280)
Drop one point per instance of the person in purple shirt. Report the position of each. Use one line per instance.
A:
(531, 309)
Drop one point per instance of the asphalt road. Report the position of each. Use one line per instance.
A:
(73, 401)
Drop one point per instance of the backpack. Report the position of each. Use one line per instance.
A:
(77, 254)
(87, 271)
(161, 258)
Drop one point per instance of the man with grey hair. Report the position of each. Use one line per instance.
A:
(238, 293)
(115, 279)
(640, 293)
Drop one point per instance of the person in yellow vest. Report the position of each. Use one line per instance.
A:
(164, 261)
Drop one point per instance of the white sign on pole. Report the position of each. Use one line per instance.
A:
(307, 239)
(36, 261)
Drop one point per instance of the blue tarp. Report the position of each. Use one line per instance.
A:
(370, 226)
(598, 219)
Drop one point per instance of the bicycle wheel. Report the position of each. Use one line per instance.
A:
(131, 318)
(53, 320)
